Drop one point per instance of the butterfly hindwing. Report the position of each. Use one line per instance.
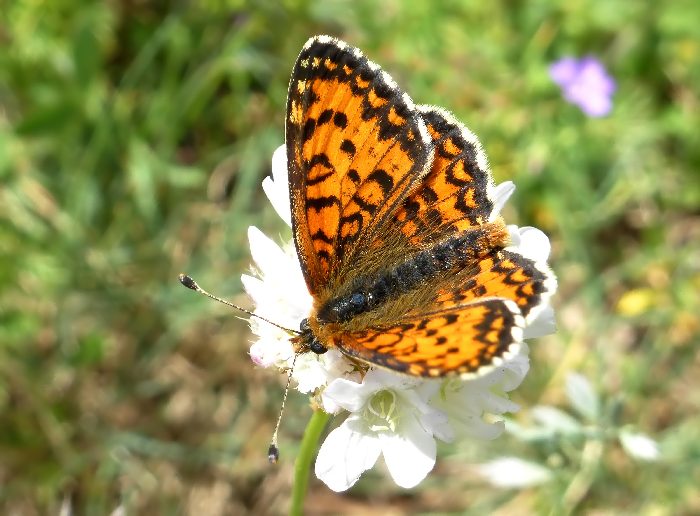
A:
(506, 274)
(461, 340)
(455, 193)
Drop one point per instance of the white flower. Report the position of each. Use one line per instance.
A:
(277, 187)
(466, 402)
(281, 296)
(500, 195)
(313, 371)
(389, 415)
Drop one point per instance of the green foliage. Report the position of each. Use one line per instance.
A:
(133, 140)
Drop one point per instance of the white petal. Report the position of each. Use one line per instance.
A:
(313, 371)
(346, 453)
(543, 324)
(435, 421)
(277, 187)
(476, 398)
(514, 233)
(468, 402)
(267, 255)
(268, 352)
(417, 396)
(494, 404)
(500, 195)
(513, 472)
(272, 302)
(346, 394)
(510, 374)
(377, 379)
(534, 244)
(281, 294)
(280, 170)
(409, 456)
(640, 446)
(473, 426)
(352, 395)
(328, 404)
(309, 372)
(254, 287)
(337, 365)
(516, 369)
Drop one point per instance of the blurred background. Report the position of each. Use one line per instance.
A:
(134, 136)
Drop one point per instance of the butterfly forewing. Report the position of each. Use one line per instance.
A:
(355, 146)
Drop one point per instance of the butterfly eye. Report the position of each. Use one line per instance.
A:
(304, 326)
(317, 347)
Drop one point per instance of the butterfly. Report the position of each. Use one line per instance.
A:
(395, 226)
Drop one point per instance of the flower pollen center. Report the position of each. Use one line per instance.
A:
(380, 412)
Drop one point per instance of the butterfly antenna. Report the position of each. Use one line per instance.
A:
(192, 285)
(273, 452)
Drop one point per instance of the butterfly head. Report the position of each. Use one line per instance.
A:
(307, 341)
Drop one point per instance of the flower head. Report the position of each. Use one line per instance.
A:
(584, 83)
(390, 415)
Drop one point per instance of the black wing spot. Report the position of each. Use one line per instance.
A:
(308, 131)
(450, 319)
(325, 117)
(320, 159)
(340, 120)
(321, 202)
(348, 147)
(354, 176)
(383, 179)
(321, 235)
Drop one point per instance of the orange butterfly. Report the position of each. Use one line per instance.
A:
(394, 224)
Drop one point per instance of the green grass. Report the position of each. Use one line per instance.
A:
(133, 140)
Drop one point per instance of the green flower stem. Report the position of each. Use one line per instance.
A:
(309, 444)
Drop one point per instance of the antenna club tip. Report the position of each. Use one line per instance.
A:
(188, 282)
(273, 454)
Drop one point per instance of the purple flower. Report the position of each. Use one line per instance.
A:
(584, 83)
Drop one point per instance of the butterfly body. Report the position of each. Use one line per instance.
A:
(443, 259)
(394, 224)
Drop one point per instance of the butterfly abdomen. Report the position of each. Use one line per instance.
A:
(448, 256)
